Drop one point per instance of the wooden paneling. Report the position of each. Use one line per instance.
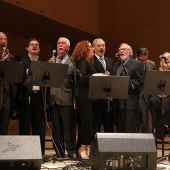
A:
(140, 24)
(80, 14)
(41, 7)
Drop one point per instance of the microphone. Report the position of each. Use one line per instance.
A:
(118, 55)
(53, 52)
(162, 57)
(5, 50)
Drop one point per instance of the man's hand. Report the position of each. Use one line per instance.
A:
(4, 56)
(52, 60)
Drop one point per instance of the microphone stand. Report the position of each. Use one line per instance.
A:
(76, 72)
(76, 69)
(126, 72)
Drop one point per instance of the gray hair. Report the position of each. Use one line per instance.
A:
(67, 40)
(94, 41)
(129, 47)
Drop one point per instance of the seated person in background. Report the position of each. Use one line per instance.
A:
(155, 103)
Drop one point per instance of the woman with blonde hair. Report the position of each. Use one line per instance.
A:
(155, 103)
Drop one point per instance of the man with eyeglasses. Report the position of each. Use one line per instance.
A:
(5, 88)
(30, 98)
(127, 109)
(148, 65)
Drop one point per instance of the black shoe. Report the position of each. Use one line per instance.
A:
(166, 130)
(159, 133)
(72, 155)
(45, 158)
(57, 156)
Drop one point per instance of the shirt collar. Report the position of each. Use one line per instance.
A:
(99, 57)
(33, 59)
(126, 60)
(62, 57)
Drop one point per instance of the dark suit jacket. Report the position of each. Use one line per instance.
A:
(24, 91)
(150, 65)
(135, 71)
(98, 66)
(86, 70)
(8, 87)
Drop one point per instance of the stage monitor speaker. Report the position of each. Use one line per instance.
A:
(123, 151)
(20, 153)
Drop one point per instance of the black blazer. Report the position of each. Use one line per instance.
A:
(98, 66)
(86, 70)
(135, 71)
(23, 91)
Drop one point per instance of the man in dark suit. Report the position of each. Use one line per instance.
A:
(63, 114)
(5, 88)
(30, 98)
(103, 65)
(127, 110)
(148, 65)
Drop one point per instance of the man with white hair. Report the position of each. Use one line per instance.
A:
(62, 111)
(128, 110)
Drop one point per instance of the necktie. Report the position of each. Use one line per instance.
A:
(119, 70)
(144, 67)
(103, 63)
(60, 60)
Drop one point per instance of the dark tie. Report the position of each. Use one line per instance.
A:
(60, 60)
(119, 70)
(103, 63)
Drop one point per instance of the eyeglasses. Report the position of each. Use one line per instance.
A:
(32, 44)
(3, 39)
(123, 49)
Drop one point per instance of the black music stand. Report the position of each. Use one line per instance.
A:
(102, 87)
(46, 74)
(158, 83)
(109, 87)
(106, 87)
(10, 72)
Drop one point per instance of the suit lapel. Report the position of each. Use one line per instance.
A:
(98, 64)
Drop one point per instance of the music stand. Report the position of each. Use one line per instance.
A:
(10, 72)
(109, 87)
(102, 87)
(158, 84)
(47, 74)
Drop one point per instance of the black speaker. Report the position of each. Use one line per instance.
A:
(123, 151)
(20, 153)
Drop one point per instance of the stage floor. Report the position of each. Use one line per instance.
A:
(57, 165)
(60, 165)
